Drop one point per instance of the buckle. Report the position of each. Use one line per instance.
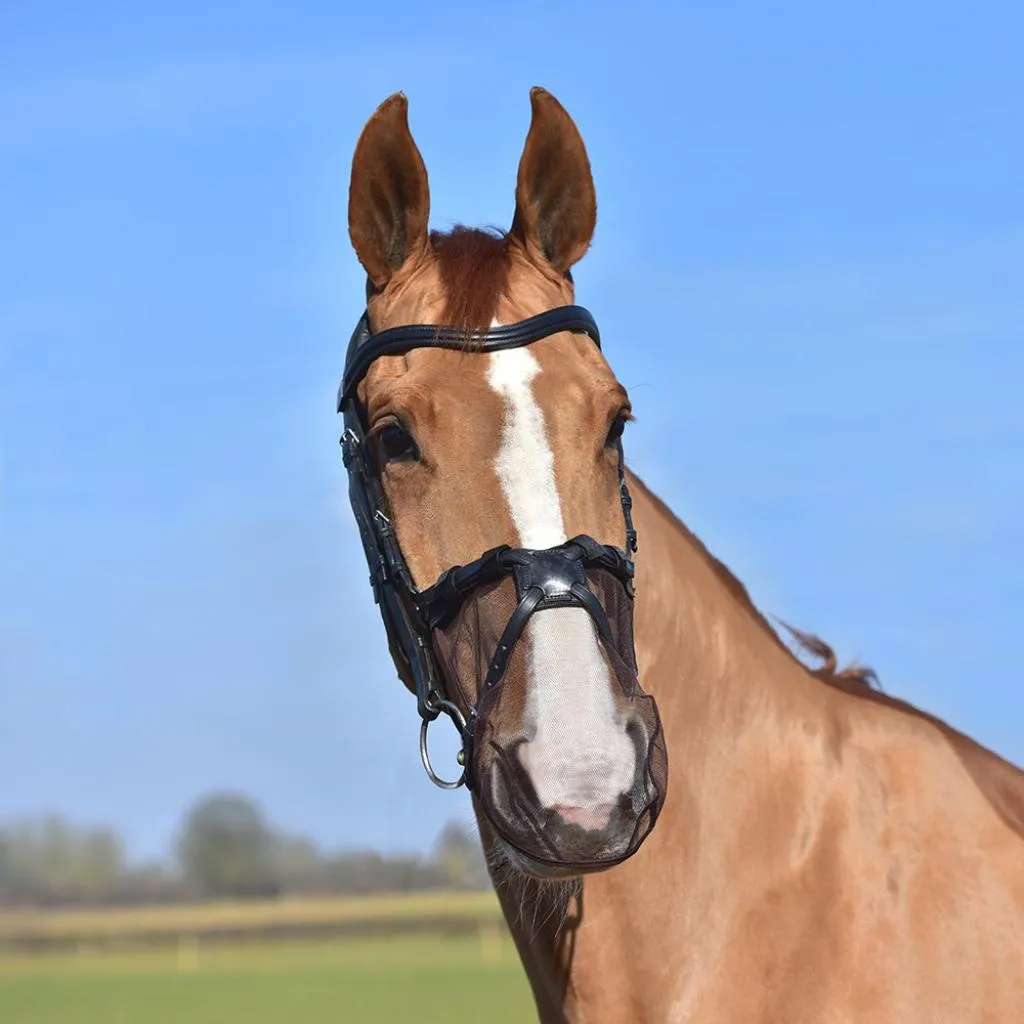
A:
(349, 447)
(382, 523)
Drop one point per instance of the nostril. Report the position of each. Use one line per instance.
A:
(593, 818)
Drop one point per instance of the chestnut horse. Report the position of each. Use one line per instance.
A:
(825, 852)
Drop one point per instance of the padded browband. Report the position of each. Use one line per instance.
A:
(365, 347)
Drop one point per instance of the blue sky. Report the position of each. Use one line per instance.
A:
(807, 270)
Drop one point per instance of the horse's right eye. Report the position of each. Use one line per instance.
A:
(397, 444)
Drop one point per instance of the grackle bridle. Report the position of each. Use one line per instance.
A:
(550, 578)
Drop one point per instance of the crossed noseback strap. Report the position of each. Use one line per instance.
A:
(555, 577)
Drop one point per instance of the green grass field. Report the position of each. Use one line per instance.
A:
(421, 980)
(239, 916)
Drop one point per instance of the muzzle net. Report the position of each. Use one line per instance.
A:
(467, 642)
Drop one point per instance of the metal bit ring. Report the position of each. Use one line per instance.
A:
(459, 721)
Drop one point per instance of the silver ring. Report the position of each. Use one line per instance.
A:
(460, 723)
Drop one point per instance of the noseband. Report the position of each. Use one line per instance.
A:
(554, 577)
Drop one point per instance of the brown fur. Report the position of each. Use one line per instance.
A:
(556, 208)
(389, 201)
(827, 852)
(474, 269)
(1001, 783)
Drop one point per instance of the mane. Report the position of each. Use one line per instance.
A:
(474, 267)
(1001, 782)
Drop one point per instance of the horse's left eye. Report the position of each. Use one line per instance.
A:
(616, 429)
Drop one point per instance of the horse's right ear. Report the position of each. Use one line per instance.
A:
(388, 198)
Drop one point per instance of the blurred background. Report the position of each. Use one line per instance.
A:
(807, 270)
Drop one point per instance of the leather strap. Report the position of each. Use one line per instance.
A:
(513, 628)
(365, 347)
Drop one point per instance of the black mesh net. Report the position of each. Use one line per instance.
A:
(604, 751)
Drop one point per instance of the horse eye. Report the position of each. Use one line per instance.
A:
(616, 429)
(396, 443)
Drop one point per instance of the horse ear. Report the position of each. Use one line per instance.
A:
(388, 198)
(556, 208)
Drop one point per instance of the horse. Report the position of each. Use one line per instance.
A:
(684, 819)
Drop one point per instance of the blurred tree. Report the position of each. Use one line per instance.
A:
(459, 855)
(226, 848)
(149, 883)
(52, 860)
(366, 872)
(298, 864)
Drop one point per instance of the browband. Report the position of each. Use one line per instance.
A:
(365, 347)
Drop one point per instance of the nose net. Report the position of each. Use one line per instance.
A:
(617, 779)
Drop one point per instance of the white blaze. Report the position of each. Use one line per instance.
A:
(577, 751)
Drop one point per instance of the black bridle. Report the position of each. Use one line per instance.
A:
(548, 578)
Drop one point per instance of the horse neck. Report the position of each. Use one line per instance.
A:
(739, 713)
(726, 686)
(779, 786)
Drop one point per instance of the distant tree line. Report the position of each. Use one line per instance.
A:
(225, 849)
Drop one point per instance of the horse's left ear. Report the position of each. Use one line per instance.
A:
(556, 208)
